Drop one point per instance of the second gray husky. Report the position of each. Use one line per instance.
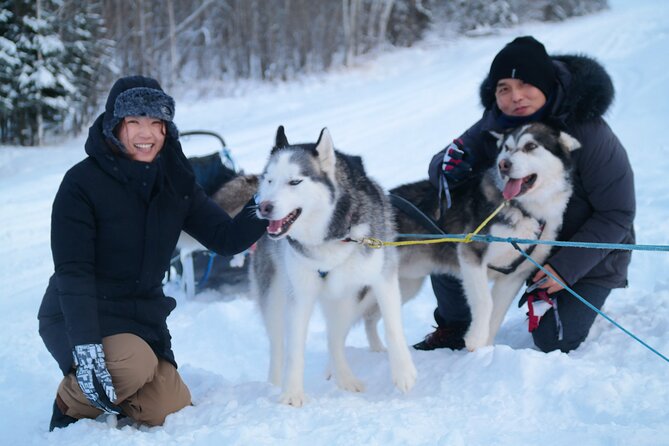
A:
(318, 202)
(532, 175)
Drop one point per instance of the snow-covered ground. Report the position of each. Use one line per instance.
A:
(395, 111)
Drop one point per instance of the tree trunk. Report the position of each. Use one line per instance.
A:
(39, 119)
(384, 19)
(173, 45)
(349, 21)
(142, 49)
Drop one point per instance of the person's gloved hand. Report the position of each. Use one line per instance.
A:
(94, 378)
(457, 163)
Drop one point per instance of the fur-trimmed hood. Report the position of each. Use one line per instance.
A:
(585, 90)
(110, 154)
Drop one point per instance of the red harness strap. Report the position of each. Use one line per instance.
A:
(539, 294)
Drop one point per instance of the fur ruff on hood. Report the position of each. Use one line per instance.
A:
(110, 154)
(585, 90)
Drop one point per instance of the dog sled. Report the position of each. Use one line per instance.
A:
(194, 268)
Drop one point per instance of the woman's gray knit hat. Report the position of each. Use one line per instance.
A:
(137, 96)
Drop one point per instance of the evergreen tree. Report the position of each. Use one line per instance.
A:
(44, 82)
(9, 63)
(87, 56)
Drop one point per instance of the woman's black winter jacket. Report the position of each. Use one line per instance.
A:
(115, 223)
(603, 205)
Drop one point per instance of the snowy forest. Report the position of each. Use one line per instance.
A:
(58, 57)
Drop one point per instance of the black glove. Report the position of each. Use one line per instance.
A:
(457, 163)
(94, 378)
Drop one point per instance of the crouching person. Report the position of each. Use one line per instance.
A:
(571, 93)
(115, 222)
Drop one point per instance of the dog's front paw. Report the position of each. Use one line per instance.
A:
(404, 377)
(293, 398)
(350, 383)
(475, 339)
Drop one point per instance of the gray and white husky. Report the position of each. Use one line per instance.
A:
(533, 175)
(317, 200)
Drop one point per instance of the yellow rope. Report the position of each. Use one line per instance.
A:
(485, 222)
(375, 243)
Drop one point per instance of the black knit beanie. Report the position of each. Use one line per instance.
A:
(524, 58)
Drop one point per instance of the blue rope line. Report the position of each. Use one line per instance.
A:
(515, 241)
(491, 239)
(205, 277)
(592, 307)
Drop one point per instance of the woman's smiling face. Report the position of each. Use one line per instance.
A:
(142, 137)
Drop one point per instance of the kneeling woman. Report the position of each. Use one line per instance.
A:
(115, 222)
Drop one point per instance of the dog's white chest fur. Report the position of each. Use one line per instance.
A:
(502, 255)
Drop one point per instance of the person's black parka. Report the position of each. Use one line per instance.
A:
(114, 225)
(603, 205)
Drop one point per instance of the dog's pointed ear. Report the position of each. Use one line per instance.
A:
(498, 136)
(325, 150)
(569, 142)
(280, 141)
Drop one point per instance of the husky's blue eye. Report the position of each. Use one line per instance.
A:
(294, 182)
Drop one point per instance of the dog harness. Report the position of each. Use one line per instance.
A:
(302, 250)
(520, 259)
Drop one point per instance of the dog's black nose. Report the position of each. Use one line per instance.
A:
(504, 166)
(266, 208)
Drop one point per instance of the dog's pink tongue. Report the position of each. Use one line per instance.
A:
(512, 188)
(274, 226)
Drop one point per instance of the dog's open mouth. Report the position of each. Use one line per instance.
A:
(277, 228)
(518, 186)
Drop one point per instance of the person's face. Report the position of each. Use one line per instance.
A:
(517, 98)
(142, 137)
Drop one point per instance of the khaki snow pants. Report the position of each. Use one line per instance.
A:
(147, 388)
